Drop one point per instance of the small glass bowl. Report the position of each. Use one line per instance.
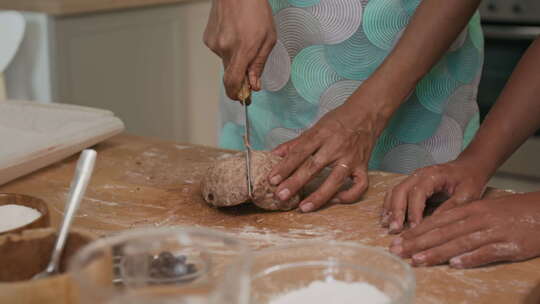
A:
(282, 269)
(163, 265)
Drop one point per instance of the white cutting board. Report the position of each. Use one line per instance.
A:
(34, 135)
(12, 27)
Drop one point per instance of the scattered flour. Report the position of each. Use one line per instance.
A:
(14, 216)
(182, 147)
(224, 156)
(150, 153)
(263, 237)
(334, 292)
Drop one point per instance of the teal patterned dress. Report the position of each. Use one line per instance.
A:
(326, 48)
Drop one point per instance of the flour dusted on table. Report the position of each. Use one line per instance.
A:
(14, 216)
(332, 291)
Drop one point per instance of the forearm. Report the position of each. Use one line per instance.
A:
(428, 36)
(515, 116)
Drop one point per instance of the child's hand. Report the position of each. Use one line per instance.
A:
(483, 232)
(458, 180)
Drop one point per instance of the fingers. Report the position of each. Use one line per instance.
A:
(385, 218)
(386, 213)
(294, 155)
(436, 222)
(309, 168)
(455, 247)
(397, 202)
(482, 256)
(242, 33)
(246, 62)
(235, 73)
(354, 193)
(326, 191)
(256, 67)
(410, 197)
(254, 80)
(419, 194)
(435, 237)
(417, 203)
(462, 195)
(447, 205)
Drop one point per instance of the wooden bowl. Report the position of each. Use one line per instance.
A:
(33, 202)
(25, 254)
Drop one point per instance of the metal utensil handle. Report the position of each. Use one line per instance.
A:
(83, 172)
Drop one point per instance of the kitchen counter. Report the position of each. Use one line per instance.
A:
(143, 182)
(71, 7)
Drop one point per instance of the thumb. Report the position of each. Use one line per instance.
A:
(462, 195)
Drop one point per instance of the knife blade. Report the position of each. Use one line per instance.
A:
(245, 97)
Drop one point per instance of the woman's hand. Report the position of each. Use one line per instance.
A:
(343, 139)
(242, 33)
(460, 180)
(483, 232)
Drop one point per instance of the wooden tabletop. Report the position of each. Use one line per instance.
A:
(142, 182)
(70, 7)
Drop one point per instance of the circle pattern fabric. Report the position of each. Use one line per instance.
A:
(327, 48)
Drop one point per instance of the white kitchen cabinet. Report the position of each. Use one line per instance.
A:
(148, 65)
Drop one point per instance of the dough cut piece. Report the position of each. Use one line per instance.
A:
(225, 182)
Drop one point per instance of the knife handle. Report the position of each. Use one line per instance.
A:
(245, 92)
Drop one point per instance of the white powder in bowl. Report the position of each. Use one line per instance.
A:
(14, 216)
(334, 292)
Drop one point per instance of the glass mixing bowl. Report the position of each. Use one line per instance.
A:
(166, 265)
(282, 269)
